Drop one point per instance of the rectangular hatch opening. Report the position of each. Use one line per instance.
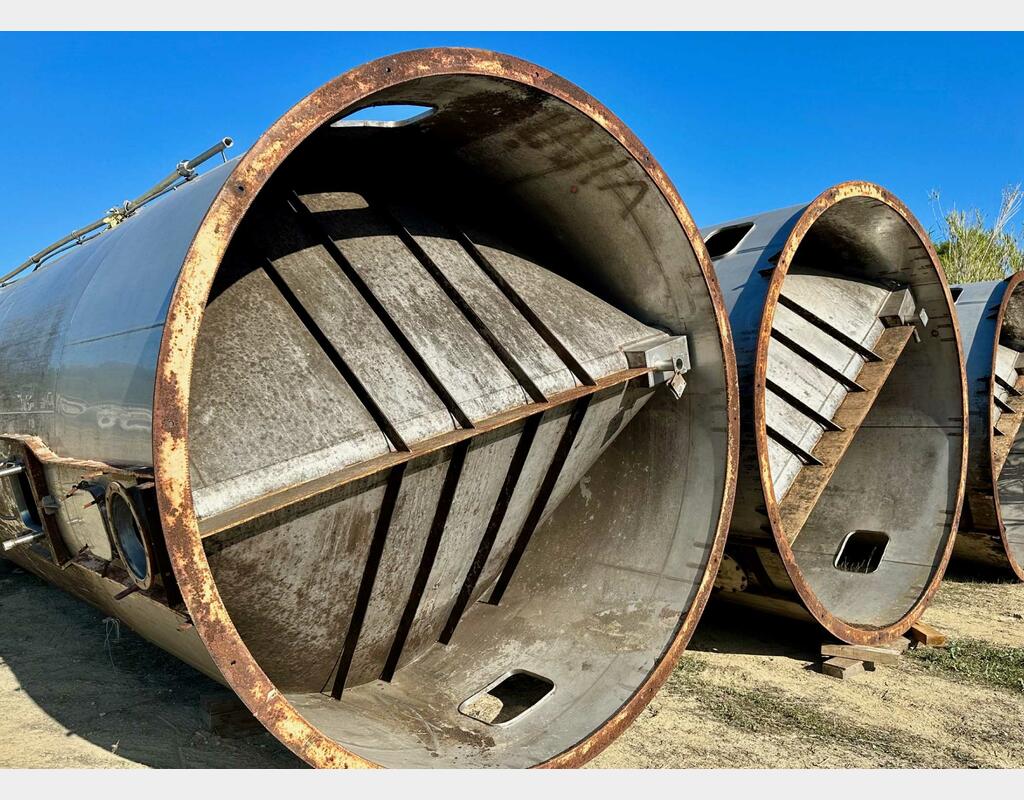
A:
(508, 699)
(861, 551)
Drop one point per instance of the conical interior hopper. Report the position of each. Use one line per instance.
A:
(853, 461)
(444, 421)
(991, 319)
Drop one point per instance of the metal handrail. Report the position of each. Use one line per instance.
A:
(184, 172)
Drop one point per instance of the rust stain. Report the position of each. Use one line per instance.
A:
(835, 626)
(171, 396)
(993, 487)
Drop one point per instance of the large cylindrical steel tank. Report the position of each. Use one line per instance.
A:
(853, 423)
(418, 433)
(991, 318)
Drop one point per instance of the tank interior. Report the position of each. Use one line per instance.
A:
(447, 491)
(1007, 412)
(863, 412)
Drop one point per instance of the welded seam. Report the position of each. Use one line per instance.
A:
(545, 333)
(483, 551)
(540, 502)
(363, 597)
(428, 557)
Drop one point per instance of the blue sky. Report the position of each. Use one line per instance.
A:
(741, 122)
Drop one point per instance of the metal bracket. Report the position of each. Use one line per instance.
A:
(185, 170)
(668, 358)
(900, 308)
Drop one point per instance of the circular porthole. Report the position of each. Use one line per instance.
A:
(128, 534)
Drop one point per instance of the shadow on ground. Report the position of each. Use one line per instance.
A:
(108, 697)
(727, 628)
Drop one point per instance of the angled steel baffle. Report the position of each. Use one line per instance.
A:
(418, 431)
(991, 319)
(853, 425)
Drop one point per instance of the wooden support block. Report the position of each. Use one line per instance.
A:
(842, 667)
(225, 715)
(874, 655)
(925, 634)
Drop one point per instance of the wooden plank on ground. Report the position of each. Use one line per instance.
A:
(876, 655)
(842, 667)
(923, 633)
(810, 482)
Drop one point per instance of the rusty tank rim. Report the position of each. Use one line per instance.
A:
(1011, 284)
(172, 390)
(837, 627)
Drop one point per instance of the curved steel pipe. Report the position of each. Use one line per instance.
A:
(853, 431)
(991, 320)
(394, 413)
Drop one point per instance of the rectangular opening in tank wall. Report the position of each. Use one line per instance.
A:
(861, 551)
(508, 699)
(725, 240)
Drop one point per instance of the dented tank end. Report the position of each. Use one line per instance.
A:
(418, 431)
(853, 412)
(991, 319)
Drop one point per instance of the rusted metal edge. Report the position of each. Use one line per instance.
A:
(47, 457)
(177, 348)
(853, 634)
(1015, 565)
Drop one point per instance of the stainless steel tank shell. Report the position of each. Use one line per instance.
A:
(853, 424)
(420, 434)
(991, 320)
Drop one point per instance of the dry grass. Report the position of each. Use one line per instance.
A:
(748, 693)
(976, 661)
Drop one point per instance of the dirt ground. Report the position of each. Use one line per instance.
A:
(74, 693)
